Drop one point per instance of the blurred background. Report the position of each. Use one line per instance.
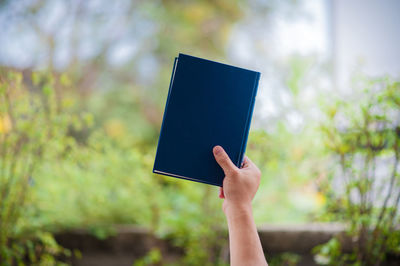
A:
(83, 86)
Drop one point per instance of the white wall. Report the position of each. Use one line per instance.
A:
(367, 33)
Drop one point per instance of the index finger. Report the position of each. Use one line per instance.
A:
(247, 162)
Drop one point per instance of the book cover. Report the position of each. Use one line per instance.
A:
(208, 104)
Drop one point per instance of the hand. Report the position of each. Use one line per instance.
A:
(240, 185)
(238, 190)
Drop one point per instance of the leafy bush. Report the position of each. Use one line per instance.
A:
(363, 136)
(30, 122)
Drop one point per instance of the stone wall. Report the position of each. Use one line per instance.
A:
(131, 243)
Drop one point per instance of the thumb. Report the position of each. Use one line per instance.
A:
(223, 160)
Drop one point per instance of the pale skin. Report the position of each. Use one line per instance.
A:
(239, 188)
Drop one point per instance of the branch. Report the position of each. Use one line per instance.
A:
(392, 180)
(391, 226)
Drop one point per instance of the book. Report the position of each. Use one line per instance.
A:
(208, 104)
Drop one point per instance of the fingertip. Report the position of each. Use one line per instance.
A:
(217, 150)
(245, 162)
(221, 193)
(223, 159)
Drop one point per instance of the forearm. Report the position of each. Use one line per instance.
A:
(245, 245)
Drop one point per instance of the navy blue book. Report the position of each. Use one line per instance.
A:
(208, 104)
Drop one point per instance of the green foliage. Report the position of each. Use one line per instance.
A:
(331, 253)
(152, 258)
(95, 128)
(97, 170)
(29, 123)
(284, 259)
(287, 191)
(39, 248)
(194, 223)
(363, 135)
(89, 176)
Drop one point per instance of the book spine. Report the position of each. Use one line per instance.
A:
(166, 108)
(248, 122)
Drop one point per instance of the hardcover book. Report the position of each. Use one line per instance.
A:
(208, 104)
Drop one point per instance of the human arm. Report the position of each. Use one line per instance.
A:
(239, 188)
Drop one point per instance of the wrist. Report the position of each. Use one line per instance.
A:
(233, 210)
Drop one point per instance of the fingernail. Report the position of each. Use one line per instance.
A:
(217, 150)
